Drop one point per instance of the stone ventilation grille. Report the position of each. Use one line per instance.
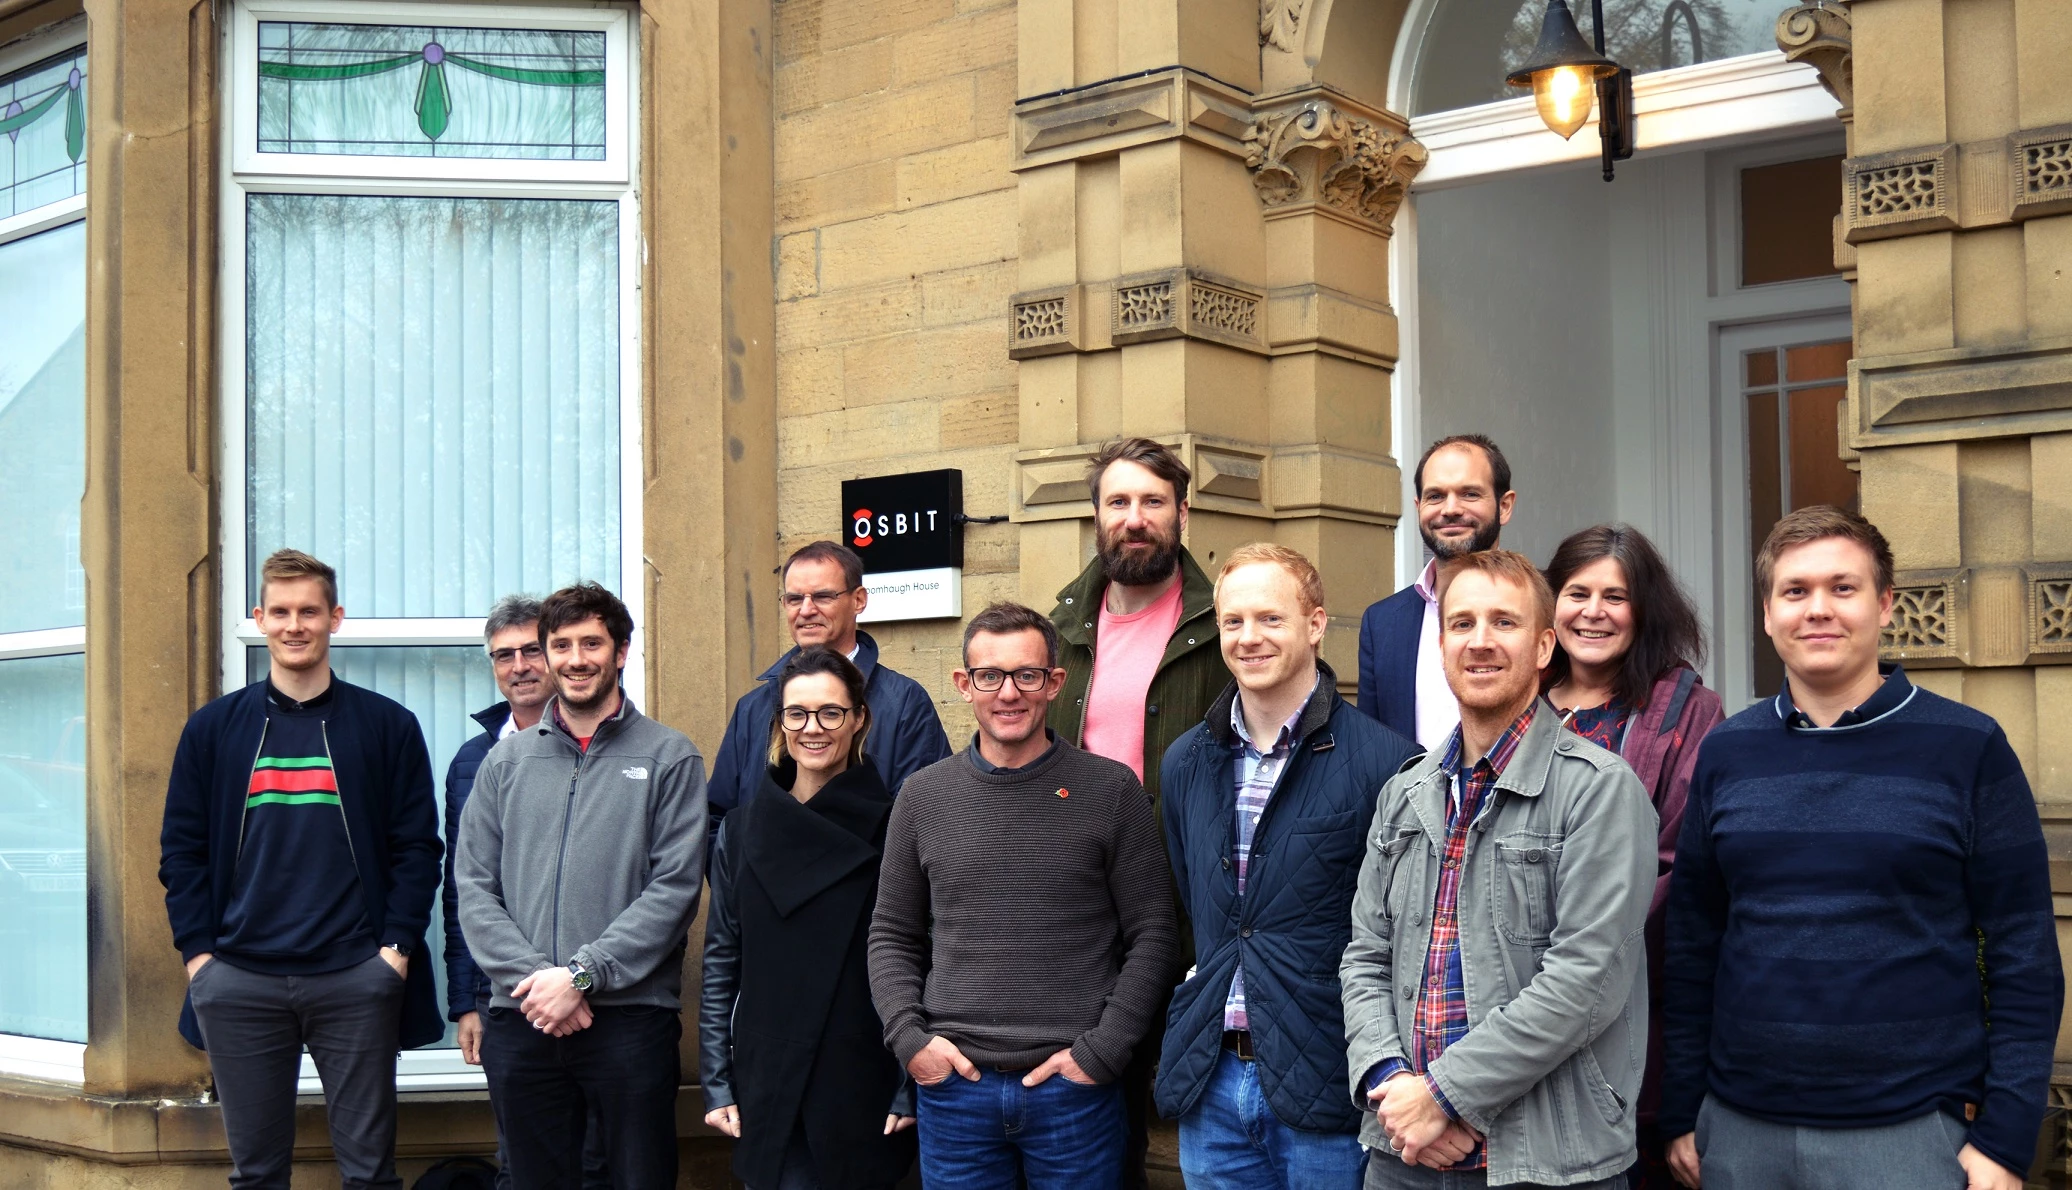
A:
(1920, 618)
(1144, 305)
(1223, 310)
(1037, 321)
(2054, 612)
(2047, 170)
(1907, 189)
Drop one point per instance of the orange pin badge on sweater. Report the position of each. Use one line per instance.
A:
(1062, 792)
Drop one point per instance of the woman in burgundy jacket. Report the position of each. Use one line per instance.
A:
(1624, 676)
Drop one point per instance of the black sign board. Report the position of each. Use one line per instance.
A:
(905, 522)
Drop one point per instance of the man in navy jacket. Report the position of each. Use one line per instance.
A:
(300, 854)
(823, 593)
(1464, 500)
(1266, 808)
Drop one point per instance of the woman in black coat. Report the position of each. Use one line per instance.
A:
(790, 1048)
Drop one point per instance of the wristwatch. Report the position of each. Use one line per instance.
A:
(580, 977)
(401, 948)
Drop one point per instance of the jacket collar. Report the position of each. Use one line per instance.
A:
(492, 717)
(1316, 713)
(1525, 775)
(1080, 600)
(866, 659)
(798, 851)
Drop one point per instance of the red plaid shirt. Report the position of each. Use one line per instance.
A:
(1442, 1001)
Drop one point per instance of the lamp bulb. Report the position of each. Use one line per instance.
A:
(1564, 96)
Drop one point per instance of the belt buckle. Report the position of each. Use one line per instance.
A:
(1239, 1042)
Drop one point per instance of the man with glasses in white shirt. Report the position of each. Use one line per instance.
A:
(822, 595)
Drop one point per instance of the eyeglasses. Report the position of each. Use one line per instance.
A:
(1024, 679)
(507, 656)
(830, 717)
(796, 599)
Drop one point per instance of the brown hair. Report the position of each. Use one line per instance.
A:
(821, 660)
(827, 551)
(573, 605)
(1309, 585)
(1666, 630)
(1006, 618)
(1816, 522)
(287, 565)
(1499, 466)
(1509, 567)
(1155, 457)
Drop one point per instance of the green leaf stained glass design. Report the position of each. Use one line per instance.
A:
(43, 120)
(431, 91)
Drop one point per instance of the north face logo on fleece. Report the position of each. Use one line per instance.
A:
(637, 773)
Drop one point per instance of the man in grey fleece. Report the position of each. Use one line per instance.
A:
(1024, 936)
(580, 856)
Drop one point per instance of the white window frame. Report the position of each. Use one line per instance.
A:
(38, 1057)
(246, 171)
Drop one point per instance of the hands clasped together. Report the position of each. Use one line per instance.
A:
(1419, 1129)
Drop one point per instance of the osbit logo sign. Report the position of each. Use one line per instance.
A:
(905, 522)
(864, 527)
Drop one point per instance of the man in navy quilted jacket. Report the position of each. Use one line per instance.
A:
(1266, 808)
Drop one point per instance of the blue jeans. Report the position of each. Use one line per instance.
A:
(995, 1133)
(1232, 1140)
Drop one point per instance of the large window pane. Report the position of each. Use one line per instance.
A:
(43, 846)
(43, 116)
(442, 686)
(1471, 45)
(433, 395)
(42, 429)
(420, 91)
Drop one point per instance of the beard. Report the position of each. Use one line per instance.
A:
(605, 690)
(1134, 569)
(1485, 537)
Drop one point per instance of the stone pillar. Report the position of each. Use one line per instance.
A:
(1204, 260)
(147, 532)
(1957, 216)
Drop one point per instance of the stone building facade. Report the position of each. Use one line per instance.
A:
(862, 237)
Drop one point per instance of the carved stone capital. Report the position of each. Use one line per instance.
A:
(1312, 155)
(1819, 35)
(1280, 24)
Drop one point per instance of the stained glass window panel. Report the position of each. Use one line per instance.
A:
(43, 116)
(431, 91)
(433, 395)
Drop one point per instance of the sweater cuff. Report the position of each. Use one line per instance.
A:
(1096, 1067)
(908, 1040)
(197, 945)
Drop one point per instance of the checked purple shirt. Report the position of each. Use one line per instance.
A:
(1257, 774)
(1442, 1000)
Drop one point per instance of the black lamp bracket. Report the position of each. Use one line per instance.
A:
(1614, 100)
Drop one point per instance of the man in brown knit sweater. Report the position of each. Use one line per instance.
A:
(1024, 934)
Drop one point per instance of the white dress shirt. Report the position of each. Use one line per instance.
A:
(1438, 713)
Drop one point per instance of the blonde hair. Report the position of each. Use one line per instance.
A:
(1309, 585)
(1509, 567)
(287, 565)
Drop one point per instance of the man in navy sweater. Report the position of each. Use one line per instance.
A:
(299, 854)
(1862, 983)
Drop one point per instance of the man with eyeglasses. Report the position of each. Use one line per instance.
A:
(822, 595)
(1023, 939)
(510, 635)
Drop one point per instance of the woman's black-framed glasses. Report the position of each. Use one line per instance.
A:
(1030, 680)
(830, 717)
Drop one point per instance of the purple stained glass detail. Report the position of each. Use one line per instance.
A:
(434, 53)
(14, 108)
(72, 80)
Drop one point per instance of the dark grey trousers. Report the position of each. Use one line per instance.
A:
(255, 1027)
(1386, 1171)
(1738, 1152)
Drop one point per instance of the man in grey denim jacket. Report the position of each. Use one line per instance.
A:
(1506, 1044)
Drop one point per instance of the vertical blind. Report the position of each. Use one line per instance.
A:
(43, 846)
(433, 395)
(42, 429)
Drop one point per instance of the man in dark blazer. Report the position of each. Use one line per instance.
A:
(1464, 500)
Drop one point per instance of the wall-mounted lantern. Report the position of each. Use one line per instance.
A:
(1568, 77)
